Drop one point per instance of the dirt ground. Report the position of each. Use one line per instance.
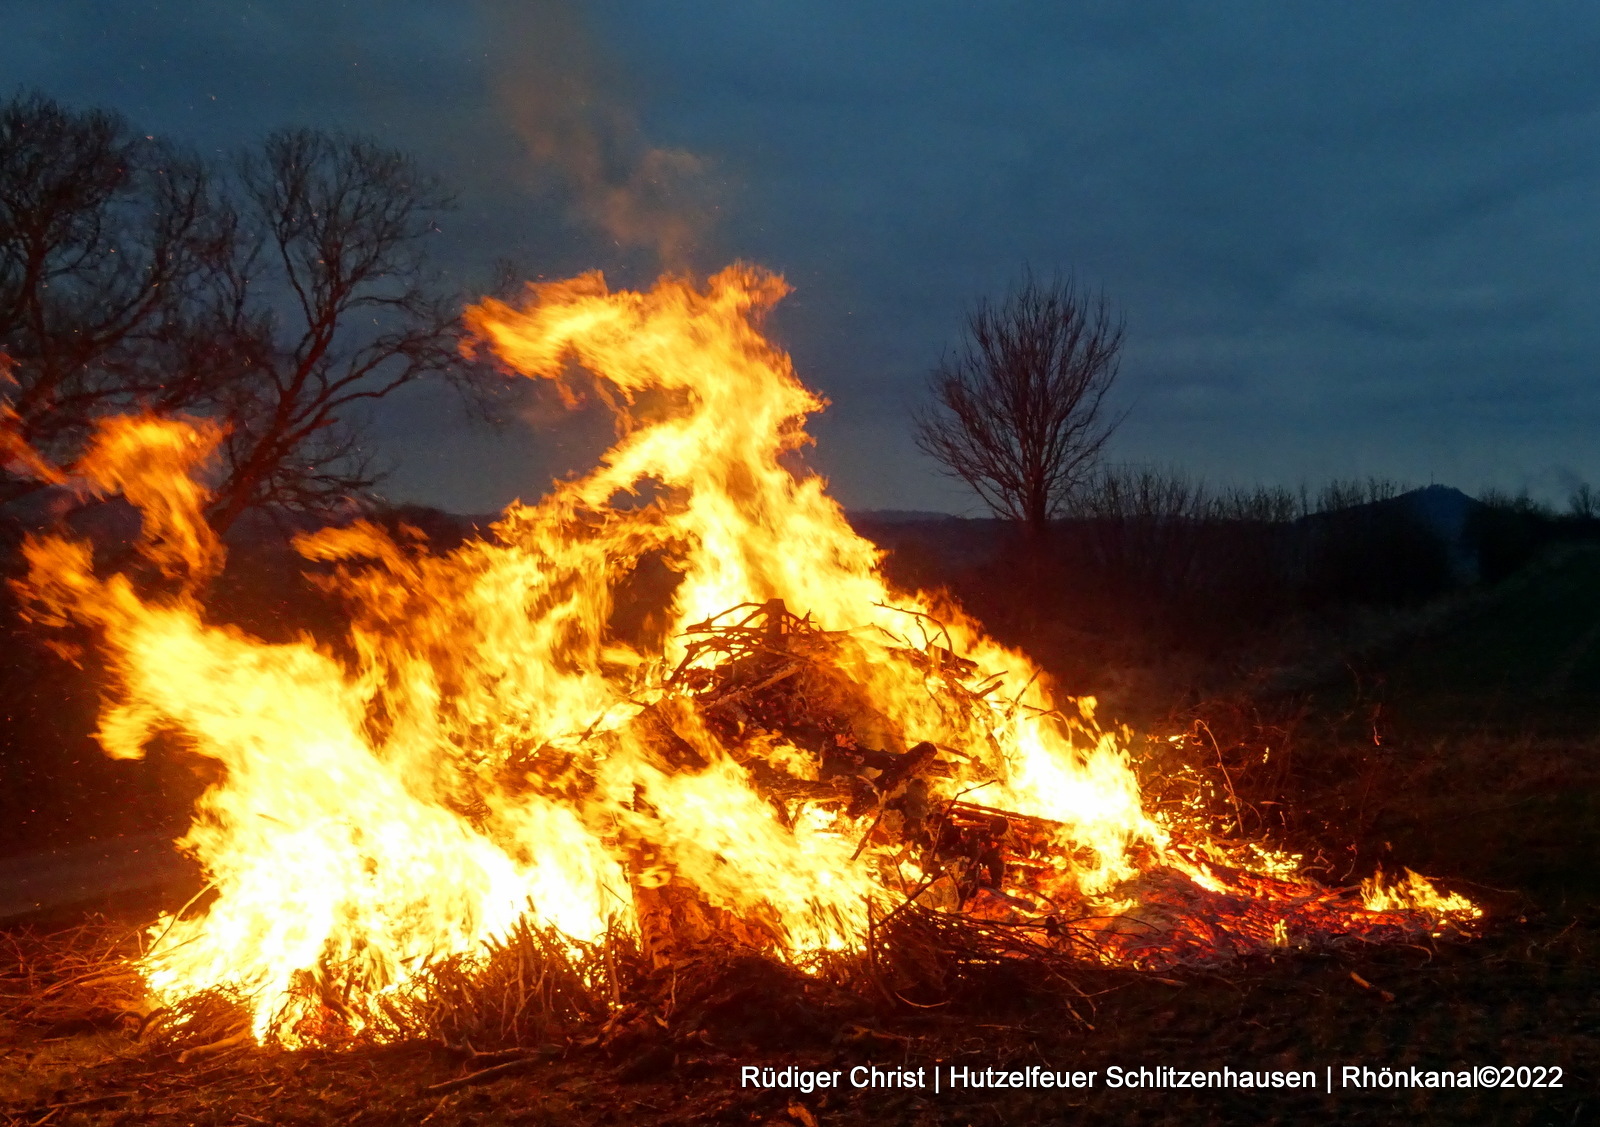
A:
(1522, 996)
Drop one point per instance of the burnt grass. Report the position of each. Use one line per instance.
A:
(1460, 738)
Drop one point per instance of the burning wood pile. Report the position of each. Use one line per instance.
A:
(491, 771)
(983, 870)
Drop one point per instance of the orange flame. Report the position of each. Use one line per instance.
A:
(491, 745)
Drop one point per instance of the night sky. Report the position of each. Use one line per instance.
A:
(1348, 239)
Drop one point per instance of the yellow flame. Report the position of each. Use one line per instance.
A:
(487, 744)
(1414, 893)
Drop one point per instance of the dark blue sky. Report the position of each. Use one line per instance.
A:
(1348, 240)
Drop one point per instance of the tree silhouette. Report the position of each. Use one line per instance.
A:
(1018, 411)
(105, 236)
(327, 303)
(281, 294)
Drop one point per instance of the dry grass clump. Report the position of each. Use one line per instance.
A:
(536, 986)
(73, 980)
(199, 1025)
(919, 957)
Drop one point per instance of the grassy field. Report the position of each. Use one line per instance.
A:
(1489, 737)
(1465, 745)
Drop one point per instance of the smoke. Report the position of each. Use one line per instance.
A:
(566, 103)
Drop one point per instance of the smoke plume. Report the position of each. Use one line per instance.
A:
(565, 101)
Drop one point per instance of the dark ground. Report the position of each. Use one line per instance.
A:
(1464, 742)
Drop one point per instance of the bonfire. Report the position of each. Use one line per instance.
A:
(674, 704)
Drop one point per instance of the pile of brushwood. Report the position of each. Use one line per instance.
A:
(783, 698)
(780, 698)
(540, 1030)
(786, 700)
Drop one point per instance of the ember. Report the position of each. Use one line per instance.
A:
(495, 764)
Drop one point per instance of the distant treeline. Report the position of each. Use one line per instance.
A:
(1160, 551)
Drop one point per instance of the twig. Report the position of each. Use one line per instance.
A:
(1386, 995)
(862, 844)
(1238, 815)
(483, 1075)
(178, 915)
(238, 1038)
(107, 1098)
(950, 645)
(739, 694)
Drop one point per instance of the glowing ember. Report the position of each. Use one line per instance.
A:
(494, 741)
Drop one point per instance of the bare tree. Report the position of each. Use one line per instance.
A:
(1584, 503)
(104, 234)
(328, 304)
(282, 295)
(1018, 412)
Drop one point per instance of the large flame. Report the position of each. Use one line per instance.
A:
(490, 742)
